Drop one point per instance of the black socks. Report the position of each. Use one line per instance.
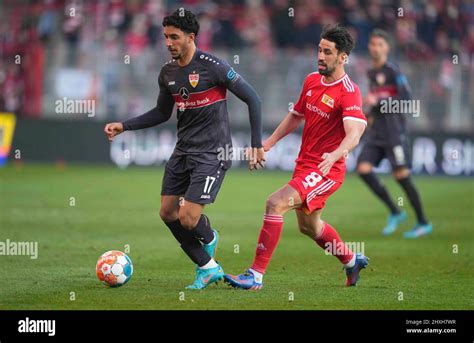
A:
(203, 230)
(379, 189)
(414, 198)
(190, 245)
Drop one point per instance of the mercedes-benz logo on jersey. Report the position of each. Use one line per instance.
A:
(184, 93)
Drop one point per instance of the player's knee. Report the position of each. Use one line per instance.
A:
(188, 220)
(401, 173)
(168, 214)
(274, 205)
(364, 168)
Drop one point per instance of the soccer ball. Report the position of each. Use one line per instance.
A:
(114, 268)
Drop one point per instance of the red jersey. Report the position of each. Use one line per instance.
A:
(325, 106)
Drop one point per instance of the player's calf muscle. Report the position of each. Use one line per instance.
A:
(311, 230)
(310, 225)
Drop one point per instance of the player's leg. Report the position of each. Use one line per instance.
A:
(207, 178)
(193, 220)
(399, 157)
(372, 155)
(328, 239)
(423, 227)
(173, 187)
(169, 208)
(205, 182)
(176, 181)
(277, 204)
(169, 213)
(195, 223)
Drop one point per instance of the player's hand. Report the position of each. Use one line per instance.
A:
(267, 145)
(112, 130)
(328, 160)
(256, 158)
(371, 99)
(370, 121)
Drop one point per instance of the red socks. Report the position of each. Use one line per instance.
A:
(267, 241)
(329, 240)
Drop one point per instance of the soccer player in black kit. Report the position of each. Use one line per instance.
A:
(196, 82)
(386, 137)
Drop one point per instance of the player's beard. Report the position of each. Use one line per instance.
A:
(175, 55)
(376, 57)
(326, 72)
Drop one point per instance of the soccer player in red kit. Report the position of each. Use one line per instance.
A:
(330, 104)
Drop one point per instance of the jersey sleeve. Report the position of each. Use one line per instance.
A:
(300, 105)
(227, 77)
(165, 101)
(157, 115)
(224, 74)
(351, 104)
(403, 89)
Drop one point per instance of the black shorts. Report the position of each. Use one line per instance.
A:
(398, 156)
(197, 177)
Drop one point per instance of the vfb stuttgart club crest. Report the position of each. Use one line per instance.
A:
(380, 78)
(194, 79)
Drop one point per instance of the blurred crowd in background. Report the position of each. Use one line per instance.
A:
(43, 40)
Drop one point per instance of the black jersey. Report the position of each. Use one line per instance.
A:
(199, 92)
(388, 129)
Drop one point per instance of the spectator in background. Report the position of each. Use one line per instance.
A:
(254, 28)
(72, 28)
(118, 17)
(12, 88)
(136, 39)
(206, 32)
(355, 17)
(154, 13)
(282, 24)
(226, 34)
(305, 29)
(424, 31)
(47, 20)
(468, 43)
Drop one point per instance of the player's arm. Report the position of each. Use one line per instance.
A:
(403, 88)
(289, 124)
(245, 92)
(292, 120)
(354, 131)
(394, 122)
(157, 115)
(235, 83)
(354, 122)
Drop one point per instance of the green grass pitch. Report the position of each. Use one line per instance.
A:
(114, 208)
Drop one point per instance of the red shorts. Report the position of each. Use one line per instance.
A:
(313, 188)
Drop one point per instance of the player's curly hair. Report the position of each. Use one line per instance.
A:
(182, 19)
(340, 36)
